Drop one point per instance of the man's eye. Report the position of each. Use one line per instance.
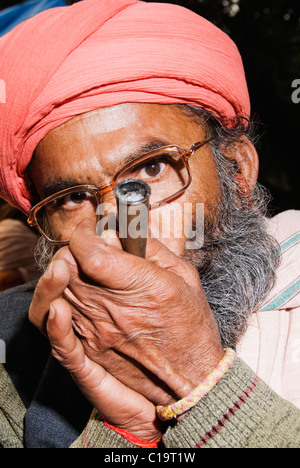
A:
(152, 170)
(73, 199)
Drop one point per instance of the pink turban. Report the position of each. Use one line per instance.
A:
(99, 53)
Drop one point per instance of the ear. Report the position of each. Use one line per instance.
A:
(246, 157)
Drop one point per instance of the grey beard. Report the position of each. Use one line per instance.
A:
(237, 263)
(44, 252)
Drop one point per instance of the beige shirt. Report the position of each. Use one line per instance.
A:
(271, 345)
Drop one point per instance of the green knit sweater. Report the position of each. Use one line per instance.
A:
(241, 411)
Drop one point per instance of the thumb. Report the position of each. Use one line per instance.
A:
(110, 237)
(111, 267)
(103, 260)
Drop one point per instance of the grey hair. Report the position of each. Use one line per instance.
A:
(237, 264)
(43, 253)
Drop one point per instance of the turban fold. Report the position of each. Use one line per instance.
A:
(99, 53)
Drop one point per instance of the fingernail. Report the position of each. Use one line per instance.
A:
(48, 273)
(52, 312)
(109, 234)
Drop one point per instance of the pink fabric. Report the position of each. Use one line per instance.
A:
(93, 54)
(271, 345)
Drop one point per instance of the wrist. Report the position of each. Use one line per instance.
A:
(229, 415)
(193, 369)
(142, 440)
(180, 407)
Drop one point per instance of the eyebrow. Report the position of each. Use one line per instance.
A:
(53, 186)
(144, 149)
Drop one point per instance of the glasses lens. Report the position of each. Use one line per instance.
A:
(166, 174)
(59, 218)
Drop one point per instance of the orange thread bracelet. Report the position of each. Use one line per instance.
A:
(132, 438)
(166, 413)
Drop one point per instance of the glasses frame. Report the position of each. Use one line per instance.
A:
(100, 191)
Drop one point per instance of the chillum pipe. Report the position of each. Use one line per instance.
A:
(132, 197)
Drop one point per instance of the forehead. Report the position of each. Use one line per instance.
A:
(91, 147)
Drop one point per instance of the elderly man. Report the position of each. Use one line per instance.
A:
(144, 348)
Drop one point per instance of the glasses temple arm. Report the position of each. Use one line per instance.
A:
(198, 145)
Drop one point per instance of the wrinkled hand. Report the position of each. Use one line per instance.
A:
(144, 324)
(118, 404)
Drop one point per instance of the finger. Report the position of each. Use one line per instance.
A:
(66, 347)
(116, 402)
(153, 360)
(110, 237)
(113, 268)
(106, 264)
(50, 287)
(64, 254)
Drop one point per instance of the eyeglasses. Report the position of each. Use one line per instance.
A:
(165, 170)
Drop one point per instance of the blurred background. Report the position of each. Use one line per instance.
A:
(267, 33)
